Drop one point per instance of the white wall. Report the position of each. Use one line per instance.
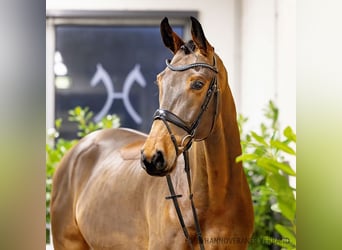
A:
(257, 47)
(268, 62)
(286, 89)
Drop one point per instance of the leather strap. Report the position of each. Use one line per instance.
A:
(189, 66)
(174, 198)
(193, 208)
(166, 115)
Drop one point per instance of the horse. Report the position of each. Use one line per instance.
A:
(109, 191)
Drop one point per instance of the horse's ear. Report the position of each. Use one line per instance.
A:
(170, 38)
(198, 36)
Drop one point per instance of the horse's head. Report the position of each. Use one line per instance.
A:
(188, 99)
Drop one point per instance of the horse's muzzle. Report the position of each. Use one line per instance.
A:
(155, 165)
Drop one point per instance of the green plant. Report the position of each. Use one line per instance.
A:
(265, 158)
(56, 147)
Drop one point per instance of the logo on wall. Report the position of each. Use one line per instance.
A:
(134, 76)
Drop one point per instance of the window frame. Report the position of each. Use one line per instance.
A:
(100, 18)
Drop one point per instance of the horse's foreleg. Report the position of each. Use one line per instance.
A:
(65, 232)
(69, 238)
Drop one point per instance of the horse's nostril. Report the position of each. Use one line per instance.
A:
(146, 163)
(158, 160)
(154, 165)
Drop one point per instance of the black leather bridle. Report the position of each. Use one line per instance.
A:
(190, 127)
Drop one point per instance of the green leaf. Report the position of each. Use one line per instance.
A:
(264, 130)
(287, 207)
(246, 157)
(78, 110)
(259, 138)
(286, 203)
(271, 112)
(271, 165)
(286, 233)
(288, 132)
(58, 123)
(282, 146)
(267, 164)
(278, 183)
(88, 115)
(285, 168)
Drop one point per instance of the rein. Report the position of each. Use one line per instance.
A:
(169, 117)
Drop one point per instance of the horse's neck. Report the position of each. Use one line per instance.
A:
(213, 160)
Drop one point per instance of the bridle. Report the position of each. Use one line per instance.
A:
(168, 117)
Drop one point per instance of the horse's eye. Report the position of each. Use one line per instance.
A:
(197, 85)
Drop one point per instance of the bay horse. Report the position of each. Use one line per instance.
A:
(108, 192)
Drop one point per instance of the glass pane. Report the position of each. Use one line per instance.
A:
(110, 69)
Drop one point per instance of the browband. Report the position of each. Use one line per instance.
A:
(189, 66)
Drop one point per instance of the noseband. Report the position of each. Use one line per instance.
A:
(169, 117)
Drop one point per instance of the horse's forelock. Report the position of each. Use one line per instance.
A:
(188, 47)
